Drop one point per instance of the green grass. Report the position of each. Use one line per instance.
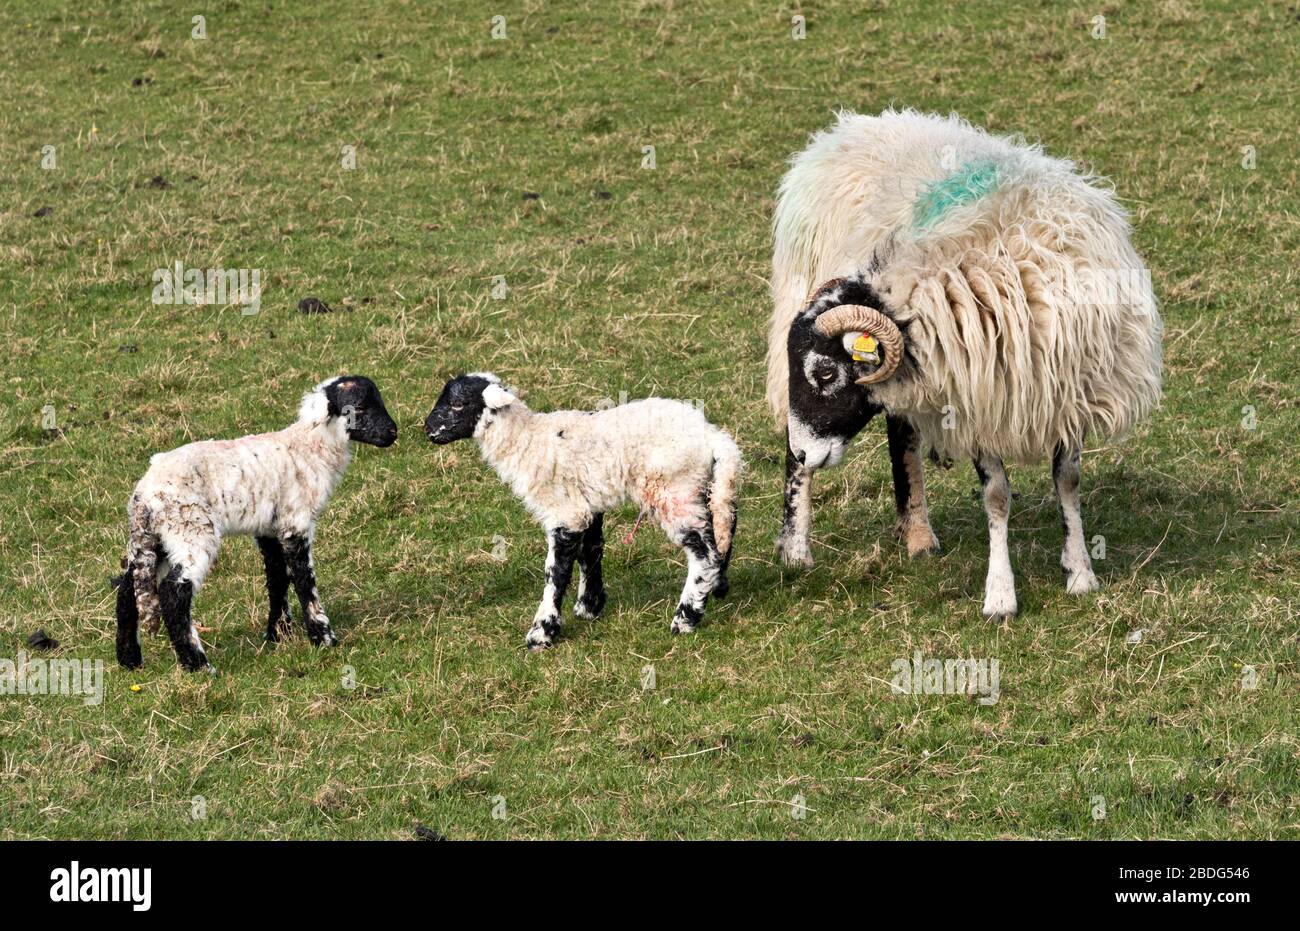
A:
(644, 281)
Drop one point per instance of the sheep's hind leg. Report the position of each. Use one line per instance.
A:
(703, 566)
(176, 593)
(913, 525)
(561, 550)
(298, 552)
(1066, 468)
(279, 620)
(591, 584)
(1000, 584)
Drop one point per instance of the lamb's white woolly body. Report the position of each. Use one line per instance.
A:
(1028, 315)
(268, 484)
(568, 465)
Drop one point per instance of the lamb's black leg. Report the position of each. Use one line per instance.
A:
(563, 546)
(297, 551)
(591, 584)
(913, 525)
(176, 595)
(702, 567)
(128, 623)
(279, 620)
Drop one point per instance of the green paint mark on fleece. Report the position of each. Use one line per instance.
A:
(965, 186)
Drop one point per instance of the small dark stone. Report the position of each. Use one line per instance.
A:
(532, 195)
(314, 305)
(423, 833)
(42, 641)
(43, 212)
(602, 195)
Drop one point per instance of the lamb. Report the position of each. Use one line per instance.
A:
(272, 486)
(990, 299)
(570, 467)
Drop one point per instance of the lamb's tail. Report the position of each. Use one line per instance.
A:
(723, 492)
(137, 587)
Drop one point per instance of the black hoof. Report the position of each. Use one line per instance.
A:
(589, 606)
(128, 655)
(322, 637)
(196, 664)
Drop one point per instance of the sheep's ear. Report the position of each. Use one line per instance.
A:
(497, 397)
(861, 346)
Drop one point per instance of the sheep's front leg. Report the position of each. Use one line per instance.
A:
(297, 549)
(562, 548)
(1000, 584)
(792, 544)
(591, 584)
(702, 567)
(279, 620)
(1066, 469)
(176, 594)
(913, 526)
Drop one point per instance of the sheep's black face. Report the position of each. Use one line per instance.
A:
(459, 407)
(827, 408)
(356, 398)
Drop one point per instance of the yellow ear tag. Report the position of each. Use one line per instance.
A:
(864, 349)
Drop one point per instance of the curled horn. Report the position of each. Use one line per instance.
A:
(849, 317)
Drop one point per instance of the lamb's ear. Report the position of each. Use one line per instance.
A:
(497, 397)
(314, 407)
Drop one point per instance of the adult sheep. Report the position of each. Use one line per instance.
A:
(983, 295)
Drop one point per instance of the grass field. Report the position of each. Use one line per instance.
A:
(523, 157)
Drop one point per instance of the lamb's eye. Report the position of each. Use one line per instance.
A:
(826, 374)
(458, 407)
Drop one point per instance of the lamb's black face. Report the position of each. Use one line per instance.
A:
(827, 408)
(356, 398)
(458, 410)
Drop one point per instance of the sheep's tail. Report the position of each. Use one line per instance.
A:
(723, 493)
(137, 587)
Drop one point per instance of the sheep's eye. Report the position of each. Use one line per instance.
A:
(826, 374)
(458, 407)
